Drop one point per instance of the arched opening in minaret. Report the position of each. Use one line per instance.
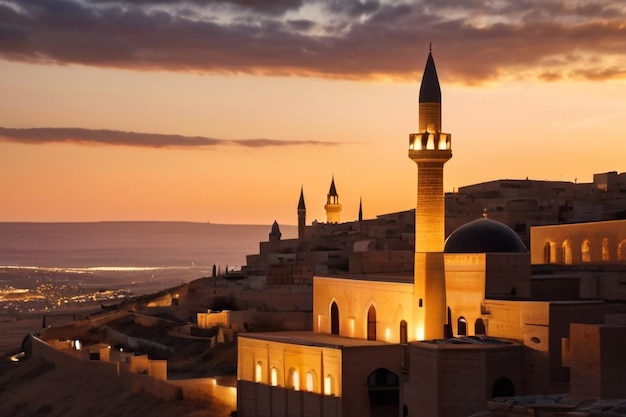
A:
(371, 323)
(334, 318)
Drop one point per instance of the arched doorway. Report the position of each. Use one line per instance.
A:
(334, 318)
(384, 393)
(503, 387)
(371, 323)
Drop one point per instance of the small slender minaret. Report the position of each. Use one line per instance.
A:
(360, 210)
(332, 206)
(274, 237)
(430, 149)
(301, 215)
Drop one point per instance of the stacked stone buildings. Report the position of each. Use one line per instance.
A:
(408, 323)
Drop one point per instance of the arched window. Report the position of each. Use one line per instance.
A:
(479, 327)
(566, 250)
(274, 376)
(371, 323)
(546, 254)
(549, 253)
(294, 379)
(606, 250)
(503, 387)
(310, 381)
(258, 372)
(585, 251)
(403, 332)
(621, 251)
(328, 385)
(334, 318)
(461, 326)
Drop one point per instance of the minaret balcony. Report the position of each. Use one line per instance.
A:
(428, 145)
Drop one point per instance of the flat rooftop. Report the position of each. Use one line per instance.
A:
(312, 339)
(399, 277)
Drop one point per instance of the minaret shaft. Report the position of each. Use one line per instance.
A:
(430, 149)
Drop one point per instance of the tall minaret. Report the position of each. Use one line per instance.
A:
(430, 149)
(332, 206)
(301, 216)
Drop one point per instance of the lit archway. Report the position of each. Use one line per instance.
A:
(294, 379)
(621, 251)
(566, 250)
(585, 251)
(606, 250)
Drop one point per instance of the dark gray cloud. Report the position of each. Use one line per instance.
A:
(474, 40)
(36, 136)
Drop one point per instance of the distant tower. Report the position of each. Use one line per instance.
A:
(430, 149)
(332, 207)
(360, 209)
(301, 216)
(275, 236)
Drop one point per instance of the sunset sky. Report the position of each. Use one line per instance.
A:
(220, 110)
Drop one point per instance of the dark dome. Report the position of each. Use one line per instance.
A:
(484, 236)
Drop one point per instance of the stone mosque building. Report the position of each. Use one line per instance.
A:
(464, 328)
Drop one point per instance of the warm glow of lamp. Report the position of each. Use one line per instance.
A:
(443, 141)
(387, 334)
(350, 323)
(296, 380)
(419, 332)
(274, 377)
(430, 145)
(309, 382)
(258, 372)
(328, 385)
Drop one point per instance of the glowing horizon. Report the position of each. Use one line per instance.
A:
(139, 128)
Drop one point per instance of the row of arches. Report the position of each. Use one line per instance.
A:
(569, 253)
(307, 382)
(371, 324)
(462, 327)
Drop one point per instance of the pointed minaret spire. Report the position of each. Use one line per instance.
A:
(301, 215)
(332, 207)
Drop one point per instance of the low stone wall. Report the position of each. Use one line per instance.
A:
(139, 375)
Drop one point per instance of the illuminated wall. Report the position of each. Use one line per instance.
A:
(392, 301)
